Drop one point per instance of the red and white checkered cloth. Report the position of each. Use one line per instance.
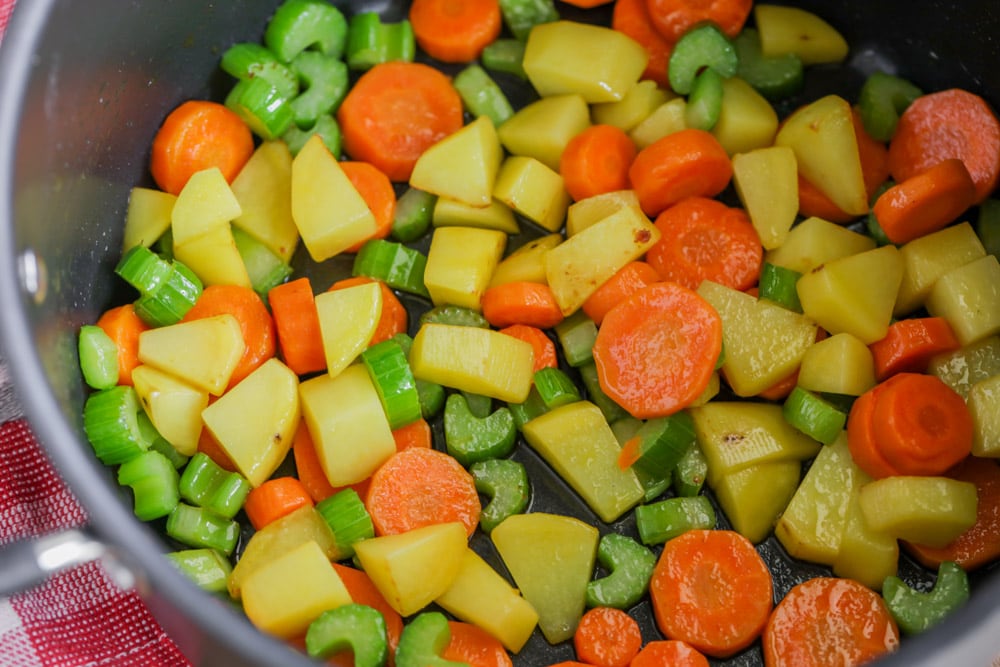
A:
(79, 617)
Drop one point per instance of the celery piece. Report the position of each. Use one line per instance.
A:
(249, 60)
(153, 480)
(371, 42)
(576, 335)
(481, 94)
(157, 442)
(774, 77)
(470, 439)
(814, 416)
(413, 216)
(521, 16)
(595, 394)
(206, 567)
(456, 315)
(690, 472)
(532, 407)
(200, 527)
(432, 397)
(882, 100)
(141, 268)
(262, 107)
(98, 357)
(325, 126)
(505, 55)
(110, 420)
(395, 264)
(172, 299)
(423, 640)
(555, 387)
(704, 104)
(480, 405)
(653, 486)
(265, 268)
(630, 567)
(987, 226)
(405, 341)
(916, 611)
(505, 482)
(324, 82)
(662, 442)
(777, 284)
(353, 626)
(666, 519)
(390, 372)
(298, 25)
(344, 512)
(704, 46)
(206, 484)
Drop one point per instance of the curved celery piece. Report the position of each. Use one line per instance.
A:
(532, 407)
(398, 266)
(423, 640)
(324, 82)
(457, 315)
(916, 611)
(153, 480)
(774, 77)
(813, 415)
(353, 626)
(371, 42)
(326, 127)
(704, 104)
(249, 60)
(630, 567)
(555, 387)
(298, 25)
(262, 107)
(111, 422)
(205, 483)
(480, 405)
(690, 472)
(882, 100)
(523, 15)
(471, 439)
(201, 527)
(663, 520)
(505, 482)
(414, 214)
(98, 357)
(700, 47)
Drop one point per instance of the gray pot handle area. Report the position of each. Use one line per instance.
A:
(27, 563)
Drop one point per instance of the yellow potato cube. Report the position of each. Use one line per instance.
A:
(926, 510)
(969, 298)
(347, 321)
(766, 180)
(264, 190)
(147, 217)
(586, 212)
(840, 364)
(754, 498)
(984, 405)
(201, 352)
(214, 258)
(527, 263)
(815, 241)
(747, 120)
(543, 128)
(462, 166)
(534, 190)
(453, 213)
(665, 119)
(206, 203)
(929, 257)
(967, 365)
(460, 263)
(174, 406)
(640, 101)
(866, 555)
(793, 30)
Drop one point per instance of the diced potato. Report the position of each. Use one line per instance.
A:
(577, 267)
(147, 217)
(543, 128)
(577, 442)
(763, 341)
(480, 595)
(814, 242)
(596, 62)
(255, 421)
(854, 294)
(480, 361)
(264, 190)
(926, 510)
(584, 213)
(284, 596)
(826, 149)
(551, 559)
(840, 364)
(453, 213)
(347, 321)
(865, 555)
(527, 263)
(460, 263)
(214, 258)
(754, 498)
(202, 352)
(766, 180)
(462, 166)
(534, 190)
(414, 568)
(664, 119)
(206, 203)
(737, 435)
(328, 211)
(172, 405)
(929, 257)
(969, 298)
(347, 423)
(984, 405)
(747, 120)
(640, 101)
(968, 365)
(793, 30)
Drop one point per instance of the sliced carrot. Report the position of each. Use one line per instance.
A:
(394, 112)
(274, 499)
(414, 434)
(672, 18)
(980, 544)
(861, 440)
(688, 163)
(703, 239)
(545, 349)
(711, 589)
(198, 135)
(909, 344)
(828, 618)
(669, 652)
(587, 4)
(255, 321)
(921, 425)
(632, 18)
(455, 31)
(474, 646)
(655, 351)
(596, 161)
(393, 319)
(925, 202)
(418, 487)
(123, 326)
(951, 123)
(363, 591)
(521, 302)
(293, 307)
(376, 189)
(629, 279)
(782, 388)
(608, 637)
(307, 466)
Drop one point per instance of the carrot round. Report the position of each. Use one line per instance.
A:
(688, 163)
(394, 112)
(655, 351)
(255, 321)
(274, 499)
(293, 307)
(672, 18)
(521, 302)
(629, 279)
(472, 645)
(362, 590)
(376, 189)
(608, 637)
(951, 123)
(711, 589)
(909, 344)
(703, 239)
(925, 202)
(123, 326)
(632, 18)
(596, 161)
(198, 135)
(669, 652)
(544, 348)
(418, 487)
(455, 31)
(393, 319)
(414, 434)
(861, 440)
(307, 465)
(828, 620)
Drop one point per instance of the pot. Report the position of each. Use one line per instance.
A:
(85, 86)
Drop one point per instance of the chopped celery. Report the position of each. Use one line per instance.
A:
(207, 568)
(168, 289)
(432, 397)
(153, 480)
(505, 55)
(523, 15)
(595, 394)
(882, 100)
(262, 107)
(576, 335)
(413, 216)
(555, 387)
(988, 226)
(325, 126)
(704, 46)
(141, 268)
(666, 519)
(481, 94)
(298, 25)
(470, 439)
(394, 382)
(349, 521)
(249, 60)
(110, 420)
(324, 80)
(505, 482)
(916, 611)
(704, 104)
(395, 264)
(353, 626)
(200, 527)
(774, 77)
(630, 567)
(371, 42)
(266, 269)
(532, 407)
(456, 315)
(423, 640)
(206, 484)
(480, 405)
(777, 284)
(98, 357)
(661, 442)
(690, 472)
(814, 416)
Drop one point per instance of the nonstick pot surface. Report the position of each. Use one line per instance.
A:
(94, 79)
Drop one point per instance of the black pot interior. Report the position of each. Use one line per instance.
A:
(102, 76)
